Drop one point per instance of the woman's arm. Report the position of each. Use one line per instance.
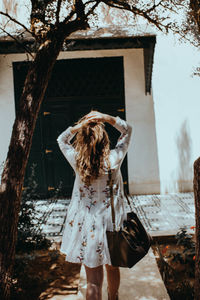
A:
(76, 128)
(123, 141)
(110, 119)
(64, 141)
(65, 146)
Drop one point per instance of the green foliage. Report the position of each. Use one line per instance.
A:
(30, 236)
(187, 255)
(184, 239)
(167, 272)
(185, 264)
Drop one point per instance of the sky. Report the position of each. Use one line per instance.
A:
(176, 102)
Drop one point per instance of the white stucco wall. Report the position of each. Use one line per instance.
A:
(142, 157)
(7, 103)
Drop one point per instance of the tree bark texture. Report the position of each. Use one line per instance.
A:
(195, 6)
(13, 174)
(197, 232)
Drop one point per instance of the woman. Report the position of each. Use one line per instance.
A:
(89, 213)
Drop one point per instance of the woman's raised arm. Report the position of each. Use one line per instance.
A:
(123, 141)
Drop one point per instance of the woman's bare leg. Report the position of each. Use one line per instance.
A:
(94, 283)
(113, 278)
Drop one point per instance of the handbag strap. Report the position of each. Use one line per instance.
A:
(127, 198)
(112, 199)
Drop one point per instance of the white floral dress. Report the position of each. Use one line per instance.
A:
(89, 212)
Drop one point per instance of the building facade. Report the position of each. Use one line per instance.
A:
(111, 74)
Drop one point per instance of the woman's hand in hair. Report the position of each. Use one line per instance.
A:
(84, 122)
(78, 126)
(96, 116)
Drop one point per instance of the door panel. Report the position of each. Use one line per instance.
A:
(58, 169)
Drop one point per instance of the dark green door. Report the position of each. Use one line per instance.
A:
(76, 87)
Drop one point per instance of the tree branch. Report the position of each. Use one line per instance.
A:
(183, 36)
(169, 8)
(124, 5)
(58, 11)
(80, 9)
(18, 42)
(195, 6)
(80, 22)
(91, 10)
(72, 13)
(17, 22)
(153, 7)
(38, 10)
(73, 26)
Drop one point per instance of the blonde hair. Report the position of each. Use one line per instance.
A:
(92, 146)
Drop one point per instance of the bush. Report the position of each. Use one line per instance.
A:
(187, 256)
(30, 236)
(177, 266)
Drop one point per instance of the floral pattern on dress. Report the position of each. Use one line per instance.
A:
(93, 228)
(80, 226)
(92, 203)
(99, 250)
(82, 249)
(82, 192)
(106, 191)
(90, 191)
(87, 191)
(106, 202)
(71, 223)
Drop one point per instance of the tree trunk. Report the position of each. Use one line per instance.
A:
(197, 233)
(20, 144)
(195, 6)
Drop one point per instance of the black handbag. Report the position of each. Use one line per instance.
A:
(131, 243)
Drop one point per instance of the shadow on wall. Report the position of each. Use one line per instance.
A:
(184, 144)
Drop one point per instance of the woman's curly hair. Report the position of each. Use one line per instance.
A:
(92, 146)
